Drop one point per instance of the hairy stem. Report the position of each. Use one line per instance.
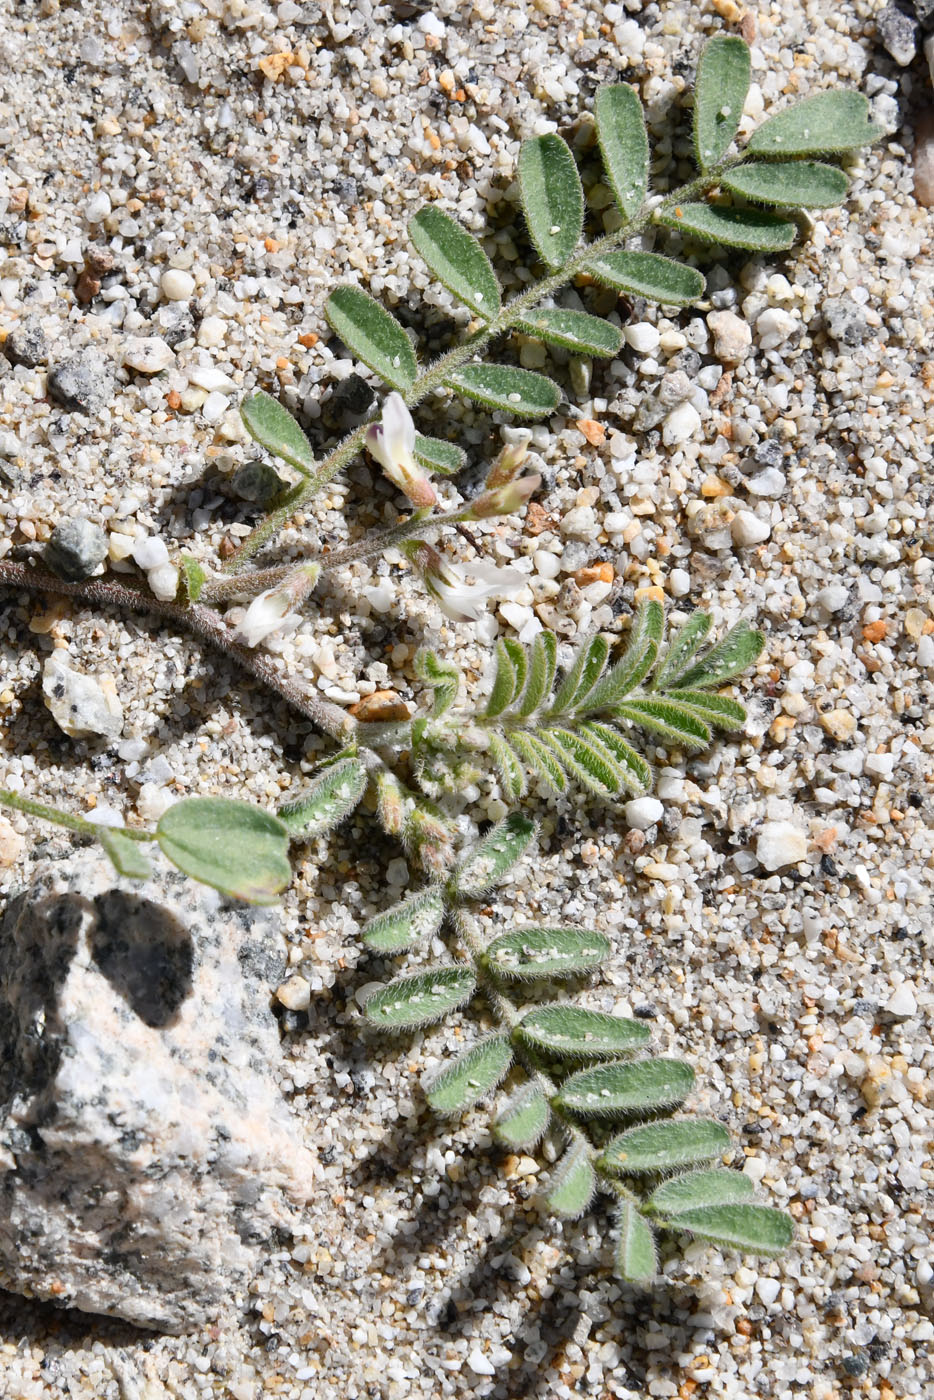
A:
(203, 622)
(434, 376)
(68, 819)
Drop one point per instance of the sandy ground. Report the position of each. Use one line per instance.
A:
(174, 136)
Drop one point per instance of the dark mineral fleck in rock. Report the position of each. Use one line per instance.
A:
(27, 344)
(898, 33)
(845, 321)
(82, 383)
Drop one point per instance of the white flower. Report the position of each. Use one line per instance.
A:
(392, 443)
(272, 611)
(447, 583)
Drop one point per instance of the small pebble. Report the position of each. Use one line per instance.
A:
(257, 481)
(480, 1364)
(212, 332)
(774, 327)
(212, 379)
(148, 354)
(81, 705)
(382, 707)
(731, 336)
(75, 548)
(83, 383)
(845, 321)
(902, 1003)
(150, 552)
(769, 483)
(898, 32)
(642, 337)
(295, 994)
(749, 529)
(679, 583)
(832, 598)
(177, 285)
(27, 344)
(779, 844)
(12, 845)
(768, 1290)
(643, 812)
(163, 581)
(98, 207)
(680, 425)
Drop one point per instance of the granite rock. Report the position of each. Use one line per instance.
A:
(84, 383)
(146, 1154)
(27, 344)
(81, 705)
(75, 548)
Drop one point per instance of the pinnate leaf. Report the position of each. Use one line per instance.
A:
(636, 1256)
(732, 655)
(274, 428)
(239, 849)
(126, 855)
(820, 125)
(707, 1188)
(576, 331)
(504, 387)
(436, 455)
(624, 145)
(419, 1000)
(416, 917)
(637, 660)
(527, 953)
(456, 259)
(443, 677)
(750, 1228)
(552, 197)
(540, 760)
(794, 183)
(591, 766)
(331, 797)
(717, 710)
(370, 333)
(733, 228)
(476, 1072)
(574, 1183)
(661, 1147)
(574, 1033)
(720, 90)
(649, 275)
(523, 1118)
(495, 854)
(643, 1087)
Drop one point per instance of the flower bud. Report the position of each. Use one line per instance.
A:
(503, 500)
(509, 461)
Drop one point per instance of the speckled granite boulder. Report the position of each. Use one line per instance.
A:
(146, 1154)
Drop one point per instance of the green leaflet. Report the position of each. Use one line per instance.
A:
(731, 655)
(591, 766)
(192, 578)
(636, 1256)
(795, 183)
(720, 90)
(670, 722)
(331, 797)
(443, 458)
(457, 260)
(494, 856)
(409, 1002)
(820, 125)
(510, 770)
(681, 648)
(576, 331)
(573, 1032)
(415, 918)
(624, 145)
(126, 855)
(476, 1072)
(443, 677)
(733, 228)
(715, 1187)
(585, 671)
(661, 1147)
(370, 333)
(518, 391)
(574, 1183)
(649, 275)
(527, 953)
(717, 710)
(614, 1089)
(539, 759)
(506, 682)
(239, 849)
(523, 1118)
(634, 773)
(541, 676)
(274, 428)
(750, 1228)
(552, 197)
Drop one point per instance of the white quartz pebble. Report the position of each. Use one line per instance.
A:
(163, 581)
(748, 529)
(643, 812)
(177, 285)
(150, 552)
(779, 844)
